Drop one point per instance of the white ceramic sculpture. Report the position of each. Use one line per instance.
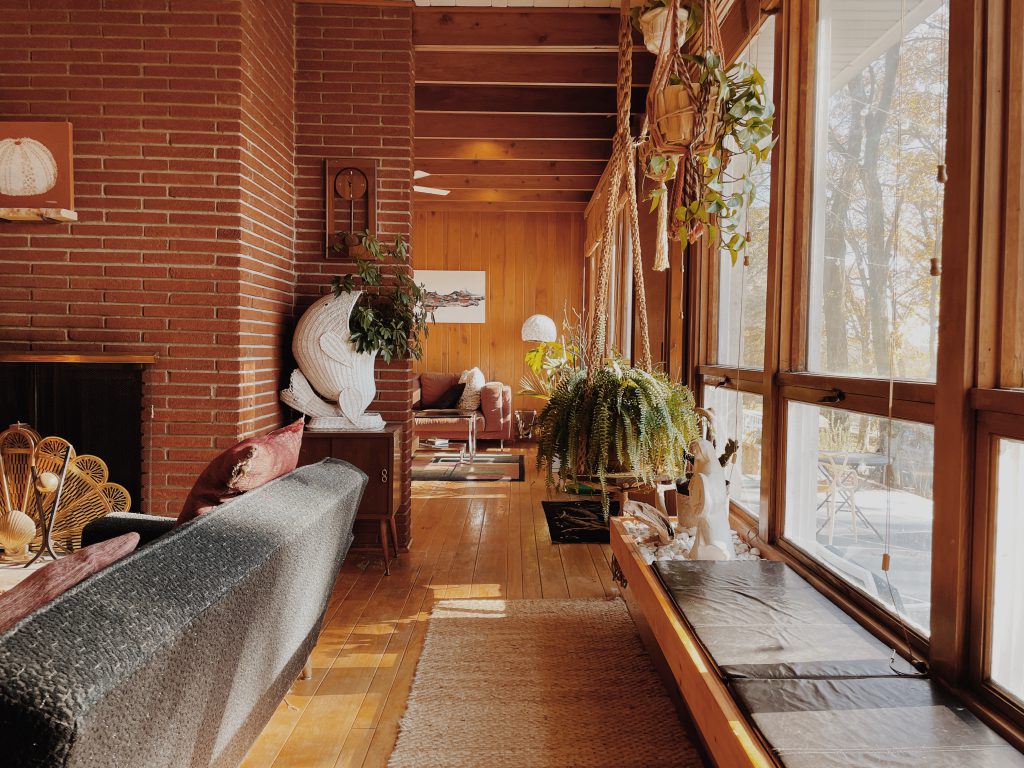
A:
(710, 504)
(334, 382)
(27, 168)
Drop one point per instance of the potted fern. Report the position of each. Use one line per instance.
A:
(615, 420)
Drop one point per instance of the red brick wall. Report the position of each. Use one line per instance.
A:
(168, 257)
(354, 99)
(267, 279)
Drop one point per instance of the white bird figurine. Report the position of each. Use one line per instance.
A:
(334, 382)
(710, 504)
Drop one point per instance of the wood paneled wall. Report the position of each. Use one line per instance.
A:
(534, 264)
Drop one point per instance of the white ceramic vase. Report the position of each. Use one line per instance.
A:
(334, 382)
(653, 23)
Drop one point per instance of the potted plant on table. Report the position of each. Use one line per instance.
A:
(337, 340)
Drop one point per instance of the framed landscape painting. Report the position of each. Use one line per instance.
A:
(454, 296)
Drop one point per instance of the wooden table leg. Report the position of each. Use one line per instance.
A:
(384, 535)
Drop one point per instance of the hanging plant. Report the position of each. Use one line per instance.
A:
(738, 124)
(703, 114)
(615, 419)
(390, 320)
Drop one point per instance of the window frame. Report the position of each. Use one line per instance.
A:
(979, 388)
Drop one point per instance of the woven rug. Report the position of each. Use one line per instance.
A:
(485, 467)
(538, 683)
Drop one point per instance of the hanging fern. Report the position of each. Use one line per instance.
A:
(617, 419)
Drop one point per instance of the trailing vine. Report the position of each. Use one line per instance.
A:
(391, 320)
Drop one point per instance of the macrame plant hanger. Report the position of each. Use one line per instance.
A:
(695, 121)
(622, 164)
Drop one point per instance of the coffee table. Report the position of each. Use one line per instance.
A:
(424, 417)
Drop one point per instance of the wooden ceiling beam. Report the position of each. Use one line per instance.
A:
(523, 149)
(487, 30)
(513, 196)
(447, 181)
(479, 206)
(523, 100)
(462, 125)
(533, 69)
(439, 167)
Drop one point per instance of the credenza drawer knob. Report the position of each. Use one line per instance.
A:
(384, 475)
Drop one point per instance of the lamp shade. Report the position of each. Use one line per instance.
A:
(539, 328)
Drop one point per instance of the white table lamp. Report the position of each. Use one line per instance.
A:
(539, 328)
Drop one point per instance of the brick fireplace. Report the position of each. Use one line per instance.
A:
(200, 130)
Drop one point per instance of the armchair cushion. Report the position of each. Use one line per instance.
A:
(492, 404)
(433, 386)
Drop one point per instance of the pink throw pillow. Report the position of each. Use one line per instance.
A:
(53, 580)
(248, 465)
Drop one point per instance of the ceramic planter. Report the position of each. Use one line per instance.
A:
(653, 23)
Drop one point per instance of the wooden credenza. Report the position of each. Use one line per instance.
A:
(378, 454)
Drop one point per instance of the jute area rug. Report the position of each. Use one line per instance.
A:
(538, 684)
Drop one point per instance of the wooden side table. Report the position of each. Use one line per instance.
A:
(378, 454)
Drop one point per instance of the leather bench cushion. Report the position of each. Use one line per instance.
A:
(877, 722)
(758, 618)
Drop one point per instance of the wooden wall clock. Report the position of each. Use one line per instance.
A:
(351, 195)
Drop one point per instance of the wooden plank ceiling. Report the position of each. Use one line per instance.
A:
(515, 108)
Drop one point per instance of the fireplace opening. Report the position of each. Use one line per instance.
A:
(94, 402)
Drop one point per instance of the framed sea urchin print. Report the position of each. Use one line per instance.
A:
(454, 296)
(36, 165)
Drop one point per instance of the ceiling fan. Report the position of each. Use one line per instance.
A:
(417, 175)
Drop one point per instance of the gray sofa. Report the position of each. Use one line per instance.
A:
(179, 654)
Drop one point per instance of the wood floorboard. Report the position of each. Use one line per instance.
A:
(484, 539)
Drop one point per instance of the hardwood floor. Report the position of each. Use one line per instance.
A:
(469, 540)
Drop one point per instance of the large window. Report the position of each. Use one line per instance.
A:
(858, 474)
(877, 211)
(847, 508)
(742, 287)
(868, 354)
(1006, 662)
(738, 318)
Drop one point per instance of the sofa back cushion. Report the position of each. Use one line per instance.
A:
(250, 464)
(433, 386)
(177, 656)
(54, 579)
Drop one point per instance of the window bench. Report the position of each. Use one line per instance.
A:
(773, 673)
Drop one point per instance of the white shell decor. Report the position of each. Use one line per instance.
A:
(27, 168)
(47, 482)
(334, 383)
(16, 530)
